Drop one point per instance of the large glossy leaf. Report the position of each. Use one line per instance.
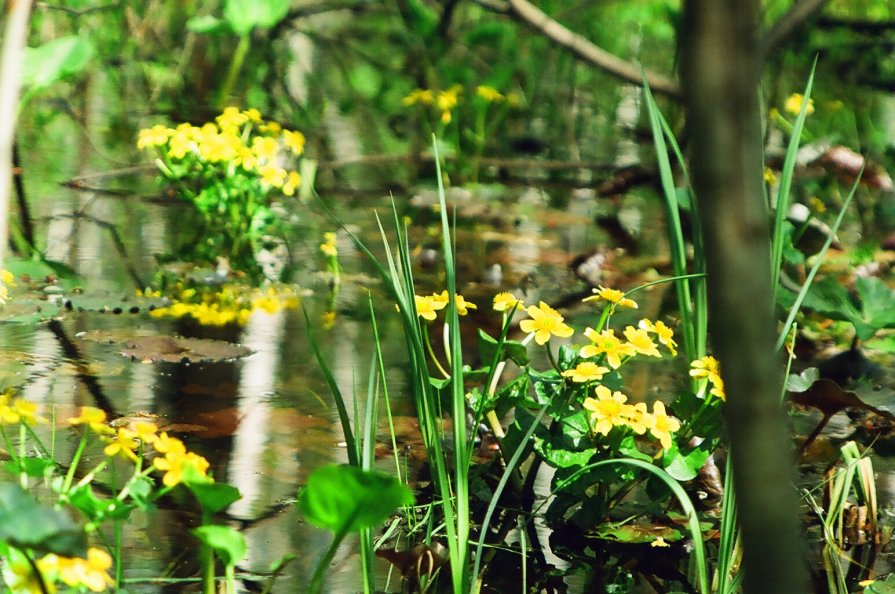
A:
(26, 524)
(56, 60)
(347, 499)
(874, 310)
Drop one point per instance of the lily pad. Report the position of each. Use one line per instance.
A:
(177, 349)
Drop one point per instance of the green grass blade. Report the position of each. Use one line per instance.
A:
(351, 445)
(786, 175)
(818, 260)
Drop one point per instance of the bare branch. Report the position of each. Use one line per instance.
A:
(531, 15)
(796, 17)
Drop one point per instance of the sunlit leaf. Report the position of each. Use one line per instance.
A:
(214, 497)
(228, 543)
(56, 60)
(347, 499)
(245, 15)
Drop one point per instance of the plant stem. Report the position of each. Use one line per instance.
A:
(235, 66)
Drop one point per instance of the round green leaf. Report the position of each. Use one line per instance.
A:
(227, 543)
(347, 499)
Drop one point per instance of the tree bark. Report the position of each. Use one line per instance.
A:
(721, 72)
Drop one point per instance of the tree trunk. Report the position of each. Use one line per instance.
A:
(721, 73)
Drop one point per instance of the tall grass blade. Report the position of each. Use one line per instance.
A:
(783, 194)
(818, 260)
(336, 392)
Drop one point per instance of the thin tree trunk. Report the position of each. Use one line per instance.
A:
(721, 73)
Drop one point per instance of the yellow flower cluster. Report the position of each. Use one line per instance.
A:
(91, 573)
(610, 409)
(427, 307)
(227, 305)
(18, 410)
(445, 101)
(127, 441)
(794, 104)
(6, 281)
(238, 138)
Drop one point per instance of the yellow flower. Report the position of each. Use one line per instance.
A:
(294, 141)
(545, 321)
(272, 176)
(18, 411)
(293, 181)
(663, 425)
(659, 542)
(265, 148)
(91, 572)
(489, 94)
(329, 249)
(176, 461)
(642, 343)
(463, 306)
(794, 103)
(147, 433)
(253, 115)
(422, 96)
(426, 307)
(270, 128)
(710, 369)
(769, 176)
(506, 302)
(662, 332)
(231, 119)
(606, 343)
(586, 371)
(158, 135)
(123, 443)
(180, 144)
(607, 410)
(94, 418)
(165, 444)
(20, 578)
(639, 419)
(613, 296)
(446, 101)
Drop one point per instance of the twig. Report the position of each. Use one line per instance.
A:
(596, 56)
(24, 210)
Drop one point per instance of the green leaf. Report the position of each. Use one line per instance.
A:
(214, 497)
(245, 15)
(365, 80)
(208, 25)
(228, 543)
(628, 447)
(559, 457)
(877, 306)
(56, 60)
(26, 524)
(886, 586)
(802, 381)
(512, 349)
(347, 499)
(684, 467)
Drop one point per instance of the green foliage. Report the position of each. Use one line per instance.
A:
(54, 61)
(227, 542)
(347, 499)
(872, 308)
(26, 524)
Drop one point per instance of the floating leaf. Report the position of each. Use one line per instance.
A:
(347, 499)
(176, 349)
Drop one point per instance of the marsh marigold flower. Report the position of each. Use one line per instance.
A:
(92, 572)
(19, 575)
(710, 369)
(94, 418)
(505, 302)
(608, 344)
(423, 96)
(662, 332)
(124, 443)
(607, 410)
(639, 419)
(613, 296)
(158, 135)
(545, 321)
(428, 306)
(19, 410)
(663, 425)
(794, 103)
(642, 343)
(586, 371)
(463, 306)
(489, 94)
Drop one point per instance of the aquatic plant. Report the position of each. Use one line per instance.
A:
(221, 306)
(230, 171)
